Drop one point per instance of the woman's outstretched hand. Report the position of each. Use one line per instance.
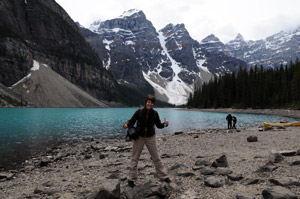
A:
(166, 122)
(125, 126)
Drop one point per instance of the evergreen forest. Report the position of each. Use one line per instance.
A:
(251, 88)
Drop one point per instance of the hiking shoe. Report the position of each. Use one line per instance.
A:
(131, 183)
(167, 180)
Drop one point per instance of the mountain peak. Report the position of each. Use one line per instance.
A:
(95, 25)
(180, 26)
(210, 38)
(239, 37)
(169, 26)
(173, 27)
(132, 12)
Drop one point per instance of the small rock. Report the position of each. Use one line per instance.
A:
(228, 182)
(40, 189)
(220, 162)
(178, 133)
(88, 156)
(111, 148)
(165, 156)
(186, 174)
(113, 176)
(176, 166)
(48, 184)
(102, 156)
(44, 163)
(269, 167)
(207, 171)
(268, 128)
(61, 155)
(195, 168)
(6, 176)
(235, 176)
(276, 157)
(252, 138)
(202, 162)
(213, 182)
(288, 153)
(242, 196)
(295, 163)
(88, 139)
(250, 181)
(278, 192)
(285, 181)
(223, 171)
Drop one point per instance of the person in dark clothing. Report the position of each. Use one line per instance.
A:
(229, 121)
(147, 118)
(234, 120)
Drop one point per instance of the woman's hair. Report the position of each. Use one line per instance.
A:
(151, 98)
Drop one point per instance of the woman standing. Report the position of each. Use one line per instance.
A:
(147, 118)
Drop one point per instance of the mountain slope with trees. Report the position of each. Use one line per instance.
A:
(254, 88)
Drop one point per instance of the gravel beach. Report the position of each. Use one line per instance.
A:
(213, 163)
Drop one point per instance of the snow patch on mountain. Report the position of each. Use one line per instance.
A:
(95, 26)
(107, 43)
(129, 13)
(176, 90)
(35, 67)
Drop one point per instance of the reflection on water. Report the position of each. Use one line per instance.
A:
(26, 131)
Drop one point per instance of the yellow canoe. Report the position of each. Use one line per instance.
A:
(282, 124)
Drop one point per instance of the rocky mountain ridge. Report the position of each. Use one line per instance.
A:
(169, 59)
(277, 49)
(43, 31)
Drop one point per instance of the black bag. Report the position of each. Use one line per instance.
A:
(132, 133)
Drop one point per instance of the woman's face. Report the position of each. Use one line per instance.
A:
(149, 104)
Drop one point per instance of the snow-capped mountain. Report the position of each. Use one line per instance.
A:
(169, 59)
(212, 44)
(280, 48)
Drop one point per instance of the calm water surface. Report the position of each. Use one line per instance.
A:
(25, 131)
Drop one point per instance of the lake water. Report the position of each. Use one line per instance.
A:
(27, 131)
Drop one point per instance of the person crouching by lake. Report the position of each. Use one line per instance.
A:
(147, 118)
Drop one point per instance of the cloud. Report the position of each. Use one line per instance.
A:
(254, 19)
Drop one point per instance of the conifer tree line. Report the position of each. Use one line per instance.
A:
(251, 88)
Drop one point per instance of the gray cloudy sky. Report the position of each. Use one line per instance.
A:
(254, 19)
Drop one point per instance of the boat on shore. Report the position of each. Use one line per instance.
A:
(282, 124)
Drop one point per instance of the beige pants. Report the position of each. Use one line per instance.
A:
(137, 149)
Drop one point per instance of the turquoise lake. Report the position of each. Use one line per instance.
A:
(27, 131)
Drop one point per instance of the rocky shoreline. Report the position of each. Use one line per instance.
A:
(214, 163)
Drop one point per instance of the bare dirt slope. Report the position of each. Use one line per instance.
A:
(46, 88)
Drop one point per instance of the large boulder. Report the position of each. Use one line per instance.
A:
(110, 189)
(278, 192)
(148, 190)
(285, 181)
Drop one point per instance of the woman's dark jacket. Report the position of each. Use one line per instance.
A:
(146, 120)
